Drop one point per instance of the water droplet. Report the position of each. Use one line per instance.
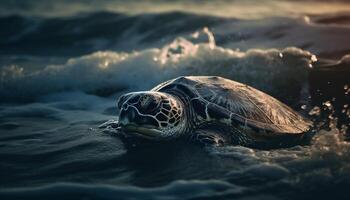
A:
(195, 35)
(280, 55)
(211, 39)
(315, 111)
(307, 19)
(313, 58)
(347, 89)
(327, 103)
(325, 148)
(303, 107)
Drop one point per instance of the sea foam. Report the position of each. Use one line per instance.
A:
(107, 72)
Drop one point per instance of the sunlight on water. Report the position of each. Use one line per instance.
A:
(60, 78)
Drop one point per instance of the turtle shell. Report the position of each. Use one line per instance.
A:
(240, 102)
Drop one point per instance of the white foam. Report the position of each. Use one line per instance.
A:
(270, 70)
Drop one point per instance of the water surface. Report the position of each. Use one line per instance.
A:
(63, 65)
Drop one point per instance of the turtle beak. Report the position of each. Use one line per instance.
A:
(132, 122)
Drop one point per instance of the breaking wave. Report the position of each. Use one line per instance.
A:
(107, 72)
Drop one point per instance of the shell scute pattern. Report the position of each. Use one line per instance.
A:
(200, 107)
(238, 102)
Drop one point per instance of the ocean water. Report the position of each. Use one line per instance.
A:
(63, 64)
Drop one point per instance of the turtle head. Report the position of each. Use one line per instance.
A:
(154, 115)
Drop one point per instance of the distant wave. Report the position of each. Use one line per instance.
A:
(282, 73)
(86, 33)
(110, 52)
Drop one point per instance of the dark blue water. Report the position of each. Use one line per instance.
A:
(63, 65)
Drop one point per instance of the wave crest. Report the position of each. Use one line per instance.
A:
(278, 72)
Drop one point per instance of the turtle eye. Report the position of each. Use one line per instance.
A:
(149, 103)
(134, 99)
(153, 105)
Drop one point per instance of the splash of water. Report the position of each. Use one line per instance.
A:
(109, 72)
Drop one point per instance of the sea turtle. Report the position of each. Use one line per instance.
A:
(209, 110)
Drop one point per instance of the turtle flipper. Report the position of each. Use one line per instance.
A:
(209, 138)
(111, 127)
(110, 123)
